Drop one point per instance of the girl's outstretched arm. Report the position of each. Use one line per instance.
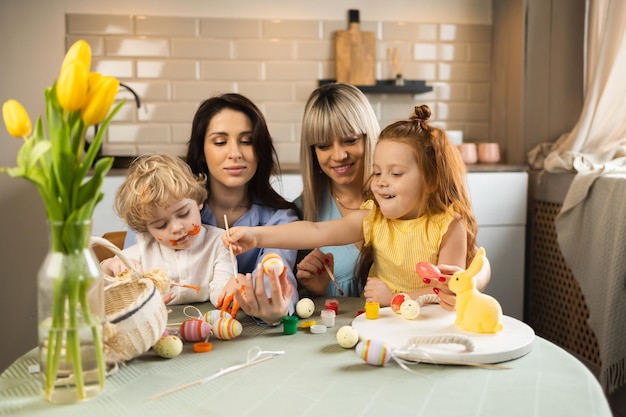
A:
(298, 235)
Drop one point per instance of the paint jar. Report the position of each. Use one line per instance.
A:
(327, 318)
(332, 304)
(372, 310)
(290, 324)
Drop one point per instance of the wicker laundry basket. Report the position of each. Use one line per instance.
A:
(135, 314)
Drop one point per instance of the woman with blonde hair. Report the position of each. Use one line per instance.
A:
(339, 130)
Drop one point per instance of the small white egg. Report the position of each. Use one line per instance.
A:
(347, 337)
(168, 347)
(305, 308)
(410, 309)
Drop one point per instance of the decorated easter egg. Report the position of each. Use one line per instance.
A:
(397, 301)
(347, 337)
(168, 347)
(213, 315)
(195, 330)
(272, 262)
(410, 309)
(305, 308)
(227, 328)
(374, 352)
(427, 270)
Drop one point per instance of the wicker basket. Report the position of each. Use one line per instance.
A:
(135, 315)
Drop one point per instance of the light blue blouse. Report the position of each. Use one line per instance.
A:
(345, 257)
(248, 261)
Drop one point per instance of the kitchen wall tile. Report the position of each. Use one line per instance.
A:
(126, 113)
(462, 111)
(477, 131)
(465, 33)
(267, 91)
(115, 149)
(146, 90)
(292, 70)
(174, 149)
(420, 71)
(479, 92)
(167, 69)
(114, 68)
(291, 29)
(464, 72)
(152, 133)
(166, 26)
(201, 48)
(330, 27)
(425, 52)
(137, 47)
(181, 131)
(98, 24)
(230, 28)
(283, 112)
(283, 132)
(315, 50)
(304, 88)
(167, 112)
(445, 91)
(200, 91)
(231, 70)
(452, 52)
(95, 42)
(408, 31)
(288, 153)
(264, 50)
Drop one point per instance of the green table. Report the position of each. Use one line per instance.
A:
(316, 377)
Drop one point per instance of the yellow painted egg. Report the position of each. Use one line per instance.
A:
(272, 262)
(227, 328)
(410, 309)
(347, 337)
(168, 347)
(305, 308)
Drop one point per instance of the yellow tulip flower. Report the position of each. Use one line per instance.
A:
(72, 85)
(99, 100)
(16, 119)
(79, 51)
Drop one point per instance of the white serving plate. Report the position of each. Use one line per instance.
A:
(515, 339)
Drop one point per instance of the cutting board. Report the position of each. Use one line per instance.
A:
(355, 54)
(515, 339)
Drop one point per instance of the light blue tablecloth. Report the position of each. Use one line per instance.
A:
(316, 377)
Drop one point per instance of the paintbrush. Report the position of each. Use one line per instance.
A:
(332, 278)
(230, 249)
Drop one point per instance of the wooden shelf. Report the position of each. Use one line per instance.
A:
(390, 87)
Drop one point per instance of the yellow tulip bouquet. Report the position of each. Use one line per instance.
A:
(54, 159)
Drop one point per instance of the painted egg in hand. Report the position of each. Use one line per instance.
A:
(195, 330)
(374, 352)
(410, 309)
(305, 308)
(347, 337)
(227, 328)
(213, 315)
(272, 262)
(168, 347)
(427, 270)
(397, 301)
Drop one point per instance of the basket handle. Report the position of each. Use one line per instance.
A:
(97, 240)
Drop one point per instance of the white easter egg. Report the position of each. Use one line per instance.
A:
(374, 352)
(305, 308)
(168, 347)
(213, 315)
(347, 337)
(227, 328)
(410, 309)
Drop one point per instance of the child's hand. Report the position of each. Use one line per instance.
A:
(376, 290)
(240, 238)
(226, 301)
(114, 266)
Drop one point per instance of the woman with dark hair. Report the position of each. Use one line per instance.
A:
(231, 146)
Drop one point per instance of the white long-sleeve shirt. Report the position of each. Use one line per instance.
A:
(205, 264)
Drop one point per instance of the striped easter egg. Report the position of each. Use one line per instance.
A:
(213, 315)
(195, 330)
(227, 328)
(373, 352)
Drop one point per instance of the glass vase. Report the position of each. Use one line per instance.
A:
(71, 316)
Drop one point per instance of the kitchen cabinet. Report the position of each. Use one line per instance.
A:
(499, 200)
